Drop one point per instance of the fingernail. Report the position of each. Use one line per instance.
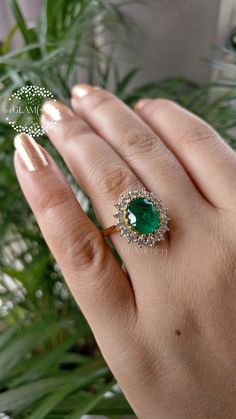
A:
(141, 103)
(56, 111)
(30, 152)
(81, 90)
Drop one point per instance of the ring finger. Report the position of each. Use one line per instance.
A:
(100, 172)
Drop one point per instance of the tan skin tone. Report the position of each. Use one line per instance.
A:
(167, 329)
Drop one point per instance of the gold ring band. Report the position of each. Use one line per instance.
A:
(108, 231)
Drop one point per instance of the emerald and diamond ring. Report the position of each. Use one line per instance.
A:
(141, 217)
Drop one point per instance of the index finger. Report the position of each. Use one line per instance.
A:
(94, 276)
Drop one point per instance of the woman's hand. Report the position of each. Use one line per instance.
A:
(167, 328)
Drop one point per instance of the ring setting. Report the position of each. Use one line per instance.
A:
(141, 217)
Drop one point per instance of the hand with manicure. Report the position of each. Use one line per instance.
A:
(166, 325)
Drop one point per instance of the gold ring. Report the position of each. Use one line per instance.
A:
(141, 217)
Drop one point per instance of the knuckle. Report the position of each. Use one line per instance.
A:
(115, 180)
(85, 251)
(198, 134)
(56, 198)
(74, 133)
(142, 141)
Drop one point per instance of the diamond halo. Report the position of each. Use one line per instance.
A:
(126, 229)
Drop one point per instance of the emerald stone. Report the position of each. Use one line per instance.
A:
(143, 216)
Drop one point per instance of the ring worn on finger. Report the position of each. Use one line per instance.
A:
(141, 217)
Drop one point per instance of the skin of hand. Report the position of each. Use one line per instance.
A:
(167, 326)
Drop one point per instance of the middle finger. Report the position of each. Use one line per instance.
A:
(139, 146)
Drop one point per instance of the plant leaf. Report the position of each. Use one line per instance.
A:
(23, 343)
(87, 405)
(16, 400)
(29, 35)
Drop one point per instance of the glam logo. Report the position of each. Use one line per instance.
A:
(24, 108)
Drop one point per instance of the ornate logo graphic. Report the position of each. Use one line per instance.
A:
(24, 108)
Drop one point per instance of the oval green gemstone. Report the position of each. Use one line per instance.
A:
(143, 216)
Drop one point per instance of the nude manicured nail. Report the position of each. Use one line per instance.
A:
(30, 152)
(81, 90)
(141, 103)
(56, 111)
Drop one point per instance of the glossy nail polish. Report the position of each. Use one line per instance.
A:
(81, 90)
(56, 111)
(30, 152)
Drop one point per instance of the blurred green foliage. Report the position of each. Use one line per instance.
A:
(50, 365)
